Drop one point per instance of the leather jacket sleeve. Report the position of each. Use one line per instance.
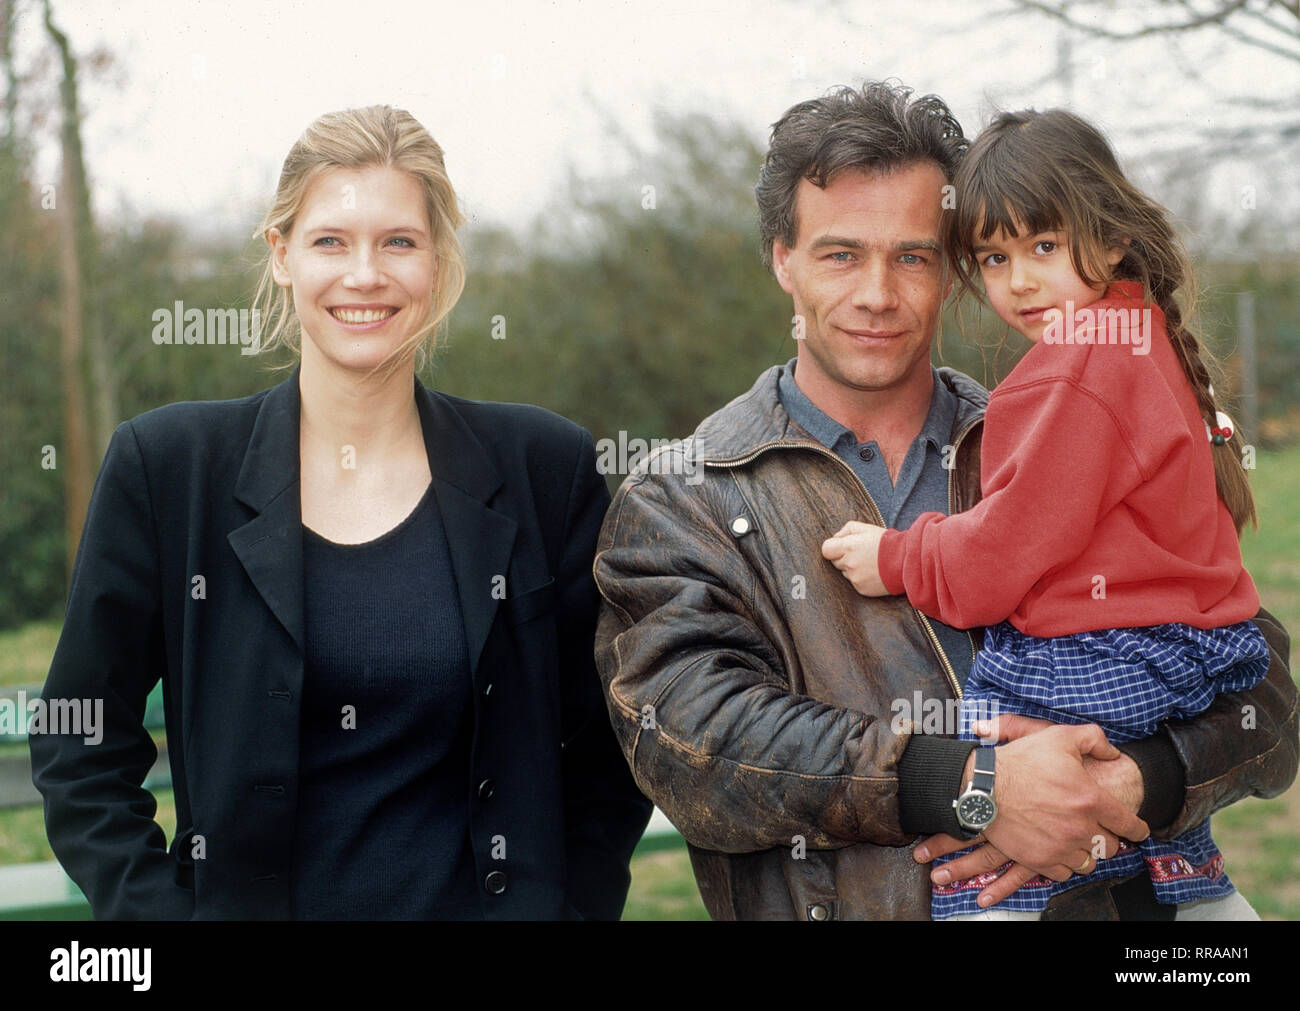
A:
(1244, 745)
(700, 699)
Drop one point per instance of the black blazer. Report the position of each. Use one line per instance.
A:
(211, 489)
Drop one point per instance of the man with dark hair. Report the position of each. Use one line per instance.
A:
(785, 724)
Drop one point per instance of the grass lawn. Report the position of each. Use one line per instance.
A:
(1260, 838)
(663, 887)
(1272, 553)
(25, 653)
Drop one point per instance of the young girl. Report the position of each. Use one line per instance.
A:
(1104, 555)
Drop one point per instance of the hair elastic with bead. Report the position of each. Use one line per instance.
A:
(1223, 426)
(1222, 430)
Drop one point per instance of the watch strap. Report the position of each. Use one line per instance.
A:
(982, 774)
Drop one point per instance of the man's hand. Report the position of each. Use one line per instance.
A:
(1051, 812)
(853, 549)
(1121, 778)
(1083, 801)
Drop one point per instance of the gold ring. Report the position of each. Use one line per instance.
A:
(1084, 868)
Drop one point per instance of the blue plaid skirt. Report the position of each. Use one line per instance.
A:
(1127, 681)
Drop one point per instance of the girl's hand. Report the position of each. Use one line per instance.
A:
(852, 549)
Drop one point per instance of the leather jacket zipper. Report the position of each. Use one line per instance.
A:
(879, 519)
(952, 503)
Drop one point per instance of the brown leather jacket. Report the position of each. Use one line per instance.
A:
(751, 686)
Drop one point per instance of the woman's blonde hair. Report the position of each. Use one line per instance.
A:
(382, 136)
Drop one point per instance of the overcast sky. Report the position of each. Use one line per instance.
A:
(205, 98)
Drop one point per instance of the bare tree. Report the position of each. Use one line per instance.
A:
(75, 231)
(1271, 27)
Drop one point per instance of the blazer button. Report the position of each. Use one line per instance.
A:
(486, 789)
(495, 882)
(818, 911)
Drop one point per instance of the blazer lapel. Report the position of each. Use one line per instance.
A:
(269, 546)
(480, 539)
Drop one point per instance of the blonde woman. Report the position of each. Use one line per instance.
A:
(370, 605)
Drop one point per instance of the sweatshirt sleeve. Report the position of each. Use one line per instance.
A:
(1056, 458)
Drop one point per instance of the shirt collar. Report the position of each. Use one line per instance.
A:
(803, 412)
(937, 429)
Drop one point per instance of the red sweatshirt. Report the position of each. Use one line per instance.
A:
(1099, 506)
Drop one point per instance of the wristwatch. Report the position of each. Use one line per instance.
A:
(976, 807)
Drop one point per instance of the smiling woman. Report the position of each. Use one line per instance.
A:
(374, 171)
(364, 268)
(370, 605)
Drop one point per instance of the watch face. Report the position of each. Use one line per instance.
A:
(976, 810)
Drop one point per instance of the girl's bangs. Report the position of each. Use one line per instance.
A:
(1003, 191)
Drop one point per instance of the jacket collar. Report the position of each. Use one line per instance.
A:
(270, 465)
(480, 539)
(757, 418)
(269, 546)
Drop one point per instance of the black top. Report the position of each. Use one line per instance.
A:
(382, 827)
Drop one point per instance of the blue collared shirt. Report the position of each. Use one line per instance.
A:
(922, 484)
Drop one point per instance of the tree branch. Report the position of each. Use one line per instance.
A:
(1258, 43)
(1217, 17)
(1200, 21)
